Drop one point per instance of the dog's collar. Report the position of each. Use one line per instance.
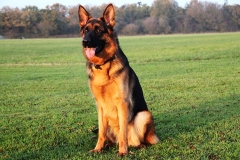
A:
(98, 66)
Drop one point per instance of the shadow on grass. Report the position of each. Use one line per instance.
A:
(184, 120)
(206, 131)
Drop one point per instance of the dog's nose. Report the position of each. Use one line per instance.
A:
(86, 42)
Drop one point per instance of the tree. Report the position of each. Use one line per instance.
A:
(151, 25)
(72, 20)
(130, 14)
(29, 20)
(213, 15)
(233, 13)
(53, 20)
(47, 26)
(11, 21)
(130, 29)
(179, 23)
(59, 13)
(163, 17)
(206, 15)
(166, 8)
(164, 26)
(164, 11)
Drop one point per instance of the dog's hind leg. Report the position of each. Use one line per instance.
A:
(133, 137)
(144, 127)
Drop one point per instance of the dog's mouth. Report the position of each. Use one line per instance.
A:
(91, 52)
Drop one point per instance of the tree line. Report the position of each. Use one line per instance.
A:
(162, 17)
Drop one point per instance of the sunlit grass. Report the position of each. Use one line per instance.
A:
(190, 83)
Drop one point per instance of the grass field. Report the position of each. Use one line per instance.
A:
(191, 84)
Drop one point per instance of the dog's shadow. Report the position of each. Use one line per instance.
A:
(175, 122)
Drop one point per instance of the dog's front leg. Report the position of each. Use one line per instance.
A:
(123, 133)
(102, 129)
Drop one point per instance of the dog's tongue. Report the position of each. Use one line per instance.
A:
(90, 52)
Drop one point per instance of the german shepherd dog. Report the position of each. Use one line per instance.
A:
(123, 116)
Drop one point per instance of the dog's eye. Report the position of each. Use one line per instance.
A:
(98, 30)
(85, 30)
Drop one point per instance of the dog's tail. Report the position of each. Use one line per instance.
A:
(144, 127)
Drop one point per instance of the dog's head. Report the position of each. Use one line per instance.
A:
(99, 41)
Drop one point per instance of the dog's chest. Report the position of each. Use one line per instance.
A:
(106, 91)
(103, 75)
(106, 88)
(108, 97)
(101, 79)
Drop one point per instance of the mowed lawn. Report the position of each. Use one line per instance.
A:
(191, 84)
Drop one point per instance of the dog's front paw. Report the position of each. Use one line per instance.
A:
(123, 148)
(96, 151)
(122, 154)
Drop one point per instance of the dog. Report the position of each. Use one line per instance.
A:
(123, 116)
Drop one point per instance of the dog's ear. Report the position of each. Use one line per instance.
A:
(83, 16)
(109, 15)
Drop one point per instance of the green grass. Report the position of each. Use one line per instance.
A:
(191, 84)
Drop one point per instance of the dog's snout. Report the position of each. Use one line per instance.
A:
(86, 42)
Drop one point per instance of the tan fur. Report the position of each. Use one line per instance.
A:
(112, 108)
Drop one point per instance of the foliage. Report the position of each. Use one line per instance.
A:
(190, 83)
(163, 17)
